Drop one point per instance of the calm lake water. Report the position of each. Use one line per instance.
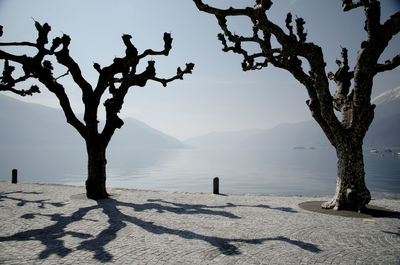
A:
(254, 171)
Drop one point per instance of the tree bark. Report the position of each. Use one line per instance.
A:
(351, 191)
(96, 179)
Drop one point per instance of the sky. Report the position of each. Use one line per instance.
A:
(218, 96)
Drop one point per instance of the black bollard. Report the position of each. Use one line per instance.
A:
(14, 178)
(216, 185)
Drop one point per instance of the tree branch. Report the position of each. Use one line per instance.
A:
(228, 12)
(373, 20)
(392, 26)
(125, 66)
(22, 92)
(67, 73)
(65, 104)
(21, 59)
(378, 37)
(348, 5)
(179, 75)
(167, 48)
(8, 82)
(343, 76)
(65, 59)
(388, 65)
(24, 43)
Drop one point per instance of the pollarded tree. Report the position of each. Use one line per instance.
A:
(353, 95)
(116, 78)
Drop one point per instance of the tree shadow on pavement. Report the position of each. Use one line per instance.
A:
(21, 202)
(200, 208)
(393, 233)
(117, 221)
(371, 211)
(179, 208)
(52, 235)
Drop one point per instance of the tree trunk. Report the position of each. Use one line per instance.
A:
(351, 191)
(96, 180)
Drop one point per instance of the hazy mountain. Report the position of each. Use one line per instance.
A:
(27, 124)
(284, 135)
(139, 135)
(384, 131)
(34, 137)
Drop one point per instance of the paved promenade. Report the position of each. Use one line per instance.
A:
(55, 224)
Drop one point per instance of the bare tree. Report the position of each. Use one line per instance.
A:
(357, 112)
(115, 78)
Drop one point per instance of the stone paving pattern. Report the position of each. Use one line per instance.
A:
(56, 224)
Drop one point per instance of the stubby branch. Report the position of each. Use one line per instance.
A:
(392, 26)
(179, 75)
(388, 65)
(167, 48)
(348, 5)
(231, 11)
(343, 76)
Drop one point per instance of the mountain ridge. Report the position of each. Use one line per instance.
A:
(26, 123)
(387, 96)
(381, 134)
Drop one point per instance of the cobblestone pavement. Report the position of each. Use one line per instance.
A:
(55, 224)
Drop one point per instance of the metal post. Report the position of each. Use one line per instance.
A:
(216, 185)
(14, 178)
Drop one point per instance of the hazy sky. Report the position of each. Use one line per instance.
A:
(218, 96)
